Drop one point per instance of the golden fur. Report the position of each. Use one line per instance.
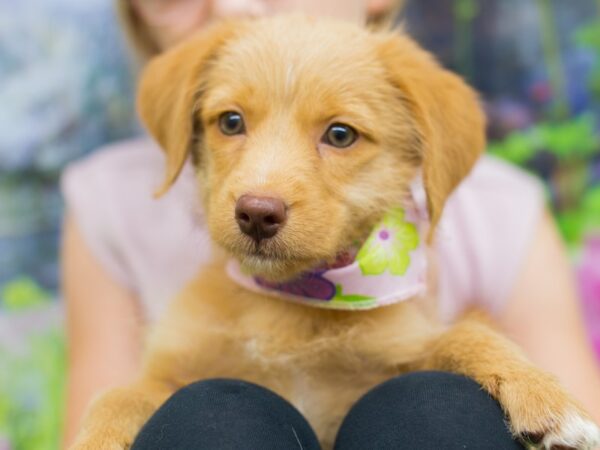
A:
(290, 78)
(144, 46)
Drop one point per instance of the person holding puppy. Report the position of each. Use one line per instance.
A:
(126, 255)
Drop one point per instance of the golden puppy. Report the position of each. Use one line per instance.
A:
(325, 125)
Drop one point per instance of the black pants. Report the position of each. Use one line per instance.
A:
(423, 410)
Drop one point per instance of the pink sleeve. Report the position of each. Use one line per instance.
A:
(90, 190)
(484, 236)
(150, 246)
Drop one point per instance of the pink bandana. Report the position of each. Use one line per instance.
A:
(390, 267)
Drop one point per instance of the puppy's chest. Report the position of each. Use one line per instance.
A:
(326, 360)
(325, 398)
(322, 378)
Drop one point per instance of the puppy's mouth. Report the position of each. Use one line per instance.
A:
(274, 264)
(264, 253)
(341, 259)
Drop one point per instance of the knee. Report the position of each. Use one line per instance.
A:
(225, 413)
(419, 389)
(222, 388)
(423, 385)
(425, 409)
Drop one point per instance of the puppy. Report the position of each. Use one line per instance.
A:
(305, 135)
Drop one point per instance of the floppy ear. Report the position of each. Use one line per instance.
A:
(169, 91)
(449, 119)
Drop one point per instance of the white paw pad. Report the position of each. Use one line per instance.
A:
(575, 432)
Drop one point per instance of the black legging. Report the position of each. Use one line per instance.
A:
(422, 410)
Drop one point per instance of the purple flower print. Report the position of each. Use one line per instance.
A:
(311, 284)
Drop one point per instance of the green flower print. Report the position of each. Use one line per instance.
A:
(389, 245)
(351, 298)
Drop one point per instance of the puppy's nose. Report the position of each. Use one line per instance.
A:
(260, 217)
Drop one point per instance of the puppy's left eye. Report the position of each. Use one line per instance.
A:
(340, 136)
(231, 123)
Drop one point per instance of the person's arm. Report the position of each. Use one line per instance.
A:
(103, 328)
(544, 317)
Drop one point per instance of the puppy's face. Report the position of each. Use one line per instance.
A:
(300, 127)
(306, 132)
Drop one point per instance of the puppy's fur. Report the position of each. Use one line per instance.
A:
(291, 78)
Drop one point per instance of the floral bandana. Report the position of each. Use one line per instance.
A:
(390, 267)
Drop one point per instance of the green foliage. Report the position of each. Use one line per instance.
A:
(22, 293)
(572, 139)
(573, 142)
(589, 37)
(568, 140)
(31, 392)
(518, 147)
(575, 223)
(466, 10)
(590, 207)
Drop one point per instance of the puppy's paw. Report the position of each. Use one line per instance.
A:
(574, 431)
(543, 415)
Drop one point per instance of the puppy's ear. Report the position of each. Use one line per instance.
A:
(169, 90)
(449, 119)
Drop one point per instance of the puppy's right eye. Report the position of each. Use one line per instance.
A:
(231, 123)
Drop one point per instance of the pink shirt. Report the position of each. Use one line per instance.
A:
(153, 247)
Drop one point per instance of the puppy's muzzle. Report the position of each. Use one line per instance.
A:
(260, 217)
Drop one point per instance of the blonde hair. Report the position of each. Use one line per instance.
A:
(141, 42)
(387, 19)
(145, 47)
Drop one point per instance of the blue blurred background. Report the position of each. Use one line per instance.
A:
(66, 89)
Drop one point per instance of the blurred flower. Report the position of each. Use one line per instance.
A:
(541, 91)
(506, 115)
(589, 282)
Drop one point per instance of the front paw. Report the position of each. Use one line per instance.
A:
(544, 416)
(573, 431)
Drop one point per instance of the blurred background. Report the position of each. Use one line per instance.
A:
(66, 89)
